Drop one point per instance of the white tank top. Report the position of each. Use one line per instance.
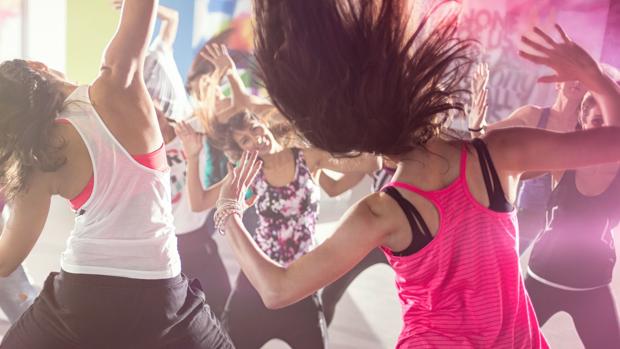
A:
(125, 228)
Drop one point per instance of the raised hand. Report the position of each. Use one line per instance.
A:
(218, 55)
(569, 60)
(476, 116)
(235, 185)
(192, 140)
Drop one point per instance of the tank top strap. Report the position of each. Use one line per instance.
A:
(301, 166)
(297, 155)
(544, 118)
(427, 195)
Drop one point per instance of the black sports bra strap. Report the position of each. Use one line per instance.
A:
(497, 198)
(544, 118)
(420, 234)
(484, 166)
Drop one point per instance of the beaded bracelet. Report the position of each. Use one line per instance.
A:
(225, 209)
(222, 218)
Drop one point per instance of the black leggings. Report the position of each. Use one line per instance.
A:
(200, 259)
(251, 325)
(76, 311)
(594, 312)
(331, 294)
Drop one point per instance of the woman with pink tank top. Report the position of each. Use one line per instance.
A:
(98, 146)
(377, 84)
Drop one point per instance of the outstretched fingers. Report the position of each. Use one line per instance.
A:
(253, 172)
(548, 39)
(533, 58)
(534, 45)
(563, 34)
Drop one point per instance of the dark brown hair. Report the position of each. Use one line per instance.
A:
(29, 104)
(221, 135)
(587, 103)
(351, 77)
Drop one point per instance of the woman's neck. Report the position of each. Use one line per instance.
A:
(434, 157)
(566, 110)
(276, 157)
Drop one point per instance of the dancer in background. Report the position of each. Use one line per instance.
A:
(563, 116)
(446, 223)
(287, 207)
(99, 146)
(572, 261)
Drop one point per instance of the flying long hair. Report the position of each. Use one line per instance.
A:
(351, 76)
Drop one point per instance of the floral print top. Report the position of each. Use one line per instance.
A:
(287, 214)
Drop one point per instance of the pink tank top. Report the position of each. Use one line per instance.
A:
(464, 289)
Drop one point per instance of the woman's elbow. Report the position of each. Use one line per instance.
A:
(274, 301)
(275, 297)
(195, 208)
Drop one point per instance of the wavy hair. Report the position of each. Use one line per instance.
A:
(29, 104)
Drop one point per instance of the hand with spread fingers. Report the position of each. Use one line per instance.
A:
(217, 55)
(192, 140)
(569, 60)
(235, 185)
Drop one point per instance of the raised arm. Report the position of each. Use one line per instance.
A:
(241, 100)
(571, 62)
(169, 25)
(521, 150)
(123, 59)
(334, 187)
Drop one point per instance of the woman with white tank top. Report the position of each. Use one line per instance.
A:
(120, 285)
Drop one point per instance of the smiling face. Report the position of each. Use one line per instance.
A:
(254, 136)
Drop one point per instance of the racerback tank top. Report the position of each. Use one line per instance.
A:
(125, 228)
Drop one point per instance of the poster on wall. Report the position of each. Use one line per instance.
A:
(498, 26)
(11, 35)
(226, 22)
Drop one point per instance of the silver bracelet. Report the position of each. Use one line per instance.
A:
(225, 209)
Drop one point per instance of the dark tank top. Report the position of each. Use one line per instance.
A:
(576, 249)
